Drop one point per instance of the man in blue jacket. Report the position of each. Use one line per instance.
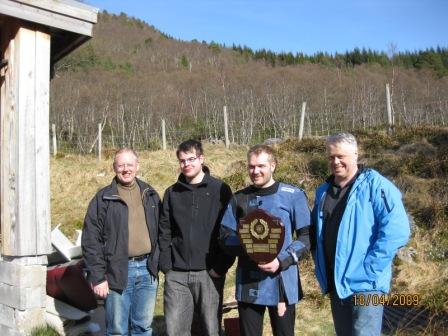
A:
(275, 285)
(359, 223)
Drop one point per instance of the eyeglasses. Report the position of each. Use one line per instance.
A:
(189, 160)
(124, 165)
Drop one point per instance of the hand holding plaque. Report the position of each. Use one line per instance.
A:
(262, 235)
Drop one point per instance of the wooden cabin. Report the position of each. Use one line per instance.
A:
(34, 34)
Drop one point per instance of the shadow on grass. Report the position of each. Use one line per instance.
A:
(158, 325)
(402, 320)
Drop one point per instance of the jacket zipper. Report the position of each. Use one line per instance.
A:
(154, 210)
(353, 188)
(383, 196)
(115, 198)
(320, 217)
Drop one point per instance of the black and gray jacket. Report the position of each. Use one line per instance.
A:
(105, 235)
(189, 226)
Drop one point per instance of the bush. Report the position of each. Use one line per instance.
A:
(307, 145)
(388, 165)
(318, 167)
(237, 179)
(374, 141)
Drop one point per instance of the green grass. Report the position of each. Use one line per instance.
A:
(44, 331)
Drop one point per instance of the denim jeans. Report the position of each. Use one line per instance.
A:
(133, 309)
(186, 292)
(359, 319)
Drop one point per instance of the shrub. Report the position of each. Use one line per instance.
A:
(318, 167)
(373, 141)
(237, 179)
(307, 145)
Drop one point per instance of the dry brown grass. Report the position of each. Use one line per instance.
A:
(425, 275)
(75, 179)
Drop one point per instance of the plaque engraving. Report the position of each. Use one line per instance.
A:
(262, 235)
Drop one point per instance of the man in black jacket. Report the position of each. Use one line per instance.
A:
(190, 256)
(120, 248)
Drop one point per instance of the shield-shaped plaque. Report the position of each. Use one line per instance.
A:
(262, 235)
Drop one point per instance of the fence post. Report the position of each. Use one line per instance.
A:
(390, 119)
(99, 141)
(302, 121)
(55, 146)
(163, 135)
(226, 127)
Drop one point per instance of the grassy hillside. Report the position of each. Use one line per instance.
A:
(415, 159)
(129, 76)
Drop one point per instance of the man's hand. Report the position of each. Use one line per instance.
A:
(213, 274)
(281, 309)
(271, 267)
(102, 289)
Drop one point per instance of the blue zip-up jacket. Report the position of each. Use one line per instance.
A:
(252, 284)
(373, 227)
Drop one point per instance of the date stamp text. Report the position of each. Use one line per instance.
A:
(361, 299)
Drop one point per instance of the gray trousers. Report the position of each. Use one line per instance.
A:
(188, 292)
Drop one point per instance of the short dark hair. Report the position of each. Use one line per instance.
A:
(189, 146)
(258, 149)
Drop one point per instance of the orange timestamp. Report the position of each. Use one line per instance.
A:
(375, 299)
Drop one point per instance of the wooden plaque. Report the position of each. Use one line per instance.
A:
(262, 235)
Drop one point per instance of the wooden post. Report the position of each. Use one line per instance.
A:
(390, 119)
(226, 127)
(163, 135)
(100, 140)
(25, 42)
(302, 120)
(55, 146)
(25, 149)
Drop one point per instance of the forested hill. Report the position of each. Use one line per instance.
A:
(130, 76)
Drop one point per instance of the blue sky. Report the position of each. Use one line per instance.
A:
(296, 25)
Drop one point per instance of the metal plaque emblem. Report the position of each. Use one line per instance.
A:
(262, 235)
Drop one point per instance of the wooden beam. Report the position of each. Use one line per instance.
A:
(74, 9)
(25, 209)
(6, 122)
(44, 17)
(42, 145)
(61, 49)
(23, 234)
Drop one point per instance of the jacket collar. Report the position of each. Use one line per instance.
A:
(181, 180)
(265, 191)
(361, 169)
(362, 174)
(112, 189)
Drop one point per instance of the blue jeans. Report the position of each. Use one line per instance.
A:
(359, 319)
(134, 308)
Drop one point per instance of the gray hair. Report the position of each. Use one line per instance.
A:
(126, 150)
(338, 138)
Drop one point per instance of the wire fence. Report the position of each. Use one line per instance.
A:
(245, 132)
